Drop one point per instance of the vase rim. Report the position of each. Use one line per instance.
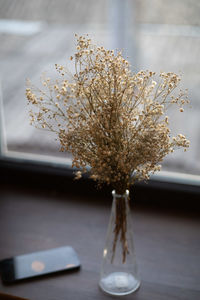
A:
(126, 194)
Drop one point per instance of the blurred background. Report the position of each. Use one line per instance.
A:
(159, 35)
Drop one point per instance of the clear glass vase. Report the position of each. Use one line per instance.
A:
(119, 273)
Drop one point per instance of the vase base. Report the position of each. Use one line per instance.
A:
(119, 283)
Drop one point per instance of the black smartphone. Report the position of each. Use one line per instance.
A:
(38, 263)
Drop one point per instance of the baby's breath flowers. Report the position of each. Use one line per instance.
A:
(108, 117)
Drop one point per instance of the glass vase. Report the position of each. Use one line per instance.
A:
(119, 272)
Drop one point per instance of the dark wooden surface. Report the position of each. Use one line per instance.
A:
(167, 243)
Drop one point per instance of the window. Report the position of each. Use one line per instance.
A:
(156, 35)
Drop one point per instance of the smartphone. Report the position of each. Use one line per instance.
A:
(38, 263)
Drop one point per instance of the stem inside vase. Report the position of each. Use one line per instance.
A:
(120, 225)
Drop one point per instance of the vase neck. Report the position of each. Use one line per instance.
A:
(124, 196)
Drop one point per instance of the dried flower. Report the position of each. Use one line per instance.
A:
(109, 118)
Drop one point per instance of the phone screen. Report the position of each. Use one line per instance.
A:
(38, 263)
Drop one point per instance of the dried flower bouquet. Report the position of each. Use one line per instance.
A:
(110, 119)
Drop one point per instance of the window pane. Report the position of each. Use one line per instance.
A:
(157, 35)
(169, 40)
(34, 36)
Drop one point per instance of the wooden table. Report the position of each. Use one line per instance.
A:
(167, 244)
